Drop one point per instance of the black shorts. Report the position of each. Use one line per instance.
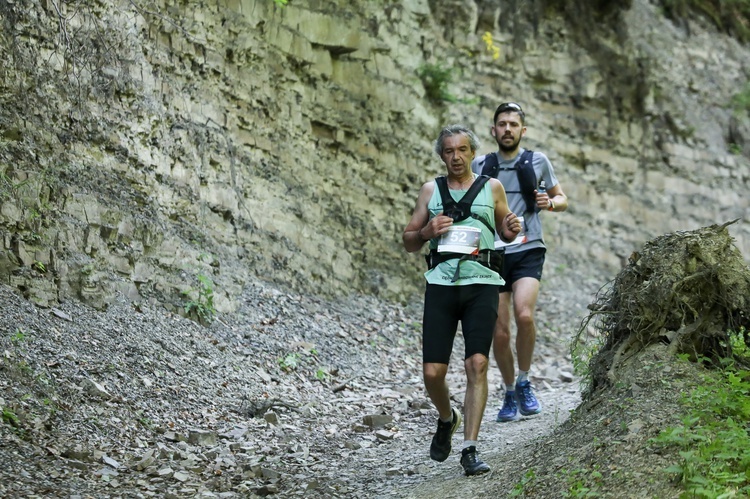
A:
(474, 305)
(522, 264)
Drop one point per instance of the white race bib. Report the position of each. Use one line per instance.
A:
(520, 238)
(460, 239)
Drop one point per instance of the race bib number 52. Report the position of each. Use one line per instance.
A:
(463, 240)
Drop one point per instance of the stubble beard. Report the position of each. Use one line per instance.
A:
(509, 148)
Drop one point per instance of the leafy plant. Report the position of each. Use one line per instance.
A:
(738, 347)
(584, 483)
(581, 352)
(18, 336)
(290, 362)
(201, 299)
(741, 101)
(281, 3)
(520, 489)
(713, 441)
(436, 79)
(9, 417)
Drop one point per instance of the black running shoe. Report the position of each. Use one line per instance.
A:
(471, 462)
(441, 441)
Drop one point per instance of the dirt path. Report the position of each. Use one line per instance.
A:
(498, 441)
(290, 396)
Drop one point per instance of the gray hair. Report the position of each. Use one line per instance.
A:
(456, 130)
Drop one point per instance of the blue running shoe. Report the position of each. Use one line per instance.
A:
(527, 402)
(509, 411)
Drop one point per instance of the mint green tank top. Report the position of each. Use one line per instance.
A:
(470, 272)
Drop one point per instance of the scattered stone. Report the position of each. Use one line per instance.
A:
(203, 438)
(59, 313)
(165, 472)
(384, 434)
(95, 389)
(377, 420)
(271, 417)
(270, 474)
(181, 476)
(566, 377)
(146, 460)
(331, 444)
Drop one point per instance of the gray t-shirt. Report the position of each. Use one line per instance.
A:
(509, 178)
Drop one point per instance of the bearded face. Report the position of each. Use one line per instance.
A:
(508, 131)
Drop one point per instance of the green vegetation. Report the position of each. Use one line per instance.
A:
(436, 79)
(521, 488)
(10, 418)
(18, 336)
(730, 16)
(741, 101)
(583, 483)
(307, 359)
(713, 440)
(201, 300)
(581, 353)
(290, 362)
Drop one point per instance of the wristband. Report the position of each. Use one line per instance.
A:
(551, 206)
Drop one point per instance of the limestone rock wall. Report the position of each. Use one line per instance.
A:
(148, 147)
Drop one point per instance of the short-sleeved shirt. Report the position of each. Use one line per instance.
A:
(509, 178)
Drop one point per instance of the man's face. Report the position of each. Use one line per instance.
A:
(457, 154)
(508, 130)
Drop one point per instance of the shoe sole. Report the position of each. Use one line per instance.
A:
(507, 420)
(453, 430)
(478, 472)
(530, 413)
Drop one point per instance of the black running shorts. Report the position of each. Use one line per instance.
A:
(475, 305)
(522, 264)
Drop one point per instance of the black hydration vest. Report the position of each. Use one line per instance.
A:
(458, 211)
(524, 168)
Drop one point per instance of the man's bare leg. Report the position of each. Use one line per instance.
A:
(434, 381)
(475, 399)
(501, 341)
(525, 293)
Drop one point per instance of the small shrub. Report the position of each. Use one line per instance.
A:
(290, 362)
(741, 101)
(436, 79)
(201, 300)
(10, 418)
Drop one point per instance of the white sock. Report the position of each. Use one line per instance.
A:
(469, 443)
(510, 388)
(522, 376)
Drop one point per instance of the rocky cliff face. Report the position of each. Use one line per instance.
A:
(163, 149)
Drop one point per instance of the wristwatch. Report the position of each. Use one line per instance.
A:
(551, 206)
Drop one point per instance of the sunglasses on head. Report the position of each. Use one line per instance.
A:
(509, 106)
